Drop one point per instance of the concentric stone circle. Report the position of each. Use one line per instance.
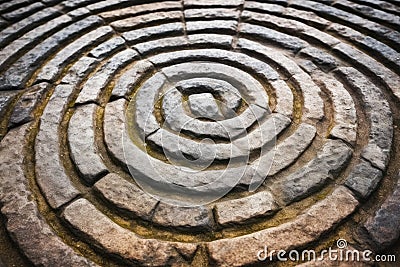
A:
(268, 123)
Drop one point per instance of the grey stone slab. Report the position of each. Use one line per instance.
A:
(210, 39)
(394, 37)
(268, 35)
(211, 13)
(240, 210)
(329, 161)
(131, 78)
(23, 68)
(377, 151)
(266, 131)
(23, 11)
(143, 20)
(147, 96)
(138, 9)
(73, 4)
(81, 139)
(107, 48)
(50, 173)
(345, 115)
(11, 32)
(284, 98)
(107, 235)
(113, 125)
(211, 26)
(322, 59)
(30, 38)
(193, 218)
(153, 32)
(194, 3)
(359, 58)
(79, 13)
(313, 105)
(363, 179)
(160, 45)
(292, 147)
(93, 87)
(28, 228)
(384, 227)
(79, 70)
(297, 233)
(204, 106)
(126, 196)
(308, 66)
(267, 7)
(24, 109)
(55, 66)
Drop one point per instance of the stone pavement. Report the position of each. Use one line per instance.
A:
(197, 132)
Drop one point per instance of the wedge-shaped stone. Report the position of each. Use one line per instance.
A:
(82, 142)
(131, 78)
(329, 162)
(292, 147)
(363, 179)
(243, 209)
(24, 109)
(126, 196)
(108, 47)
(193, 218)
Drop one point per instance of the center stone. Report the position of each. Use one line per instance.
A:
(204, 106)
